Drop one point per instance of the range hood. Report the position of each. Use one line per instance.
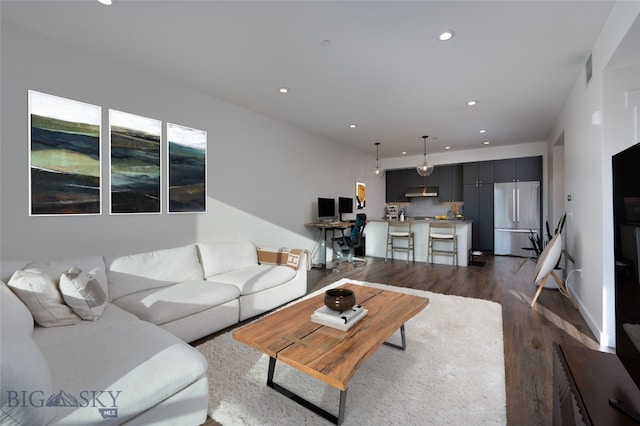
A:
(421, 191)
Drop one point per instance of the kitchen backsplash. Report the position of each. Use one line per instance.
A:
(429, 206)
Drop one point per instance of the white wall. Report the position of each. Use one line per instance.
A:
(587, 167)
(263, 176)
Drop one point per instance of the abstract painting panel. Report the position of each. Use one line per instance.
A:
(187, 161)
(361, 195)
(134, 163)
(64, 158)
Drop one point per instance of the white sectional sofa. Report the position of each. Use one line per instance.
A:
(130, 364)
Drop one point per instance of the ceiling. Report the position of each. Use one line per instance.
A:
(383, 69)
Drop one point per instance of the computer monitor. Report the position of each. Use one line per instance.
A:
(326, 209)
(345, 205)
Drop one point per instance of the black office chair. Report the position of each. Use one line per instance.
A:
(344, 246)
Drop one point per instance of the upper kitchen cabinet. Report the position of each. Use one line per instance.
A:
(478, 172)
(529, 169)
(505, 170)
(434, 178)
(397, 184)
(450, 182)
(415, 180)
(518, 169)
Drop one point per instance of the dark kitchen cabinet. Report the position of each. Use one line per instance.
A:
(518, 169)
(478, 208)
(450, 182)
(434, 178)
(505, 170)
(478, 172)
(529, 169)
(396, 185)
(415, 180)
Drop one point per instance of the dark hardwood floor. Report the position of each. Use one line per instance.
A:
(529, 333)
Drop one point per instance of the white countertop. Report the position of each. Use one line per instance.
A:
(424, 220)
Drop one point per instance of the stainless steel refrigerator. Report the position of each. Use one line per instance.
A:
(516, 213)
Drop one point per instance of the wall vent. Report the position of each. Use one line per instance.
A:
(588, 67)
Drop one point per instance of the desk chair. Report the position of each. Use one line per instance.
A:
(546, 262)
(344, 246)
(399, 231)
(443, 233)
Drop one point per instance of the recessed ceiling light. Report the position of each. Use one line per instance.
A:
(446, 35)
(404, 152)
(325, 43)
(486, 142)
(353, 126)
(447, 147)
(106, 2)
(482, 131)
(283, 90)
(472, 102)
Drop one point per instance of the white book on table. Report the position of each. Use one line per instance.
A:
(340, 325)
(341, 317)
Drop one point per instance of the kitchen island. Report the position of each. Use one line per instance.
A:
(376, 240)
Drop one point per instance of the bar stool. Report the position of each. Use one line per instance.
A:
(399, 231)
(441, 234)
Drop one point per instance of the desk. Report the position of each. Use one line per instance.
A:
(323, 227)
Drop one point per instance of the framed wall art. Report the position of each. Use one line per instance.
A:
(187, 163)
(64, 156)
(135, 173)
(361, 195)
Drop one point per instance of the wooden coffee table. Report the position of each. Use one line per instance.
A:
(329, 355)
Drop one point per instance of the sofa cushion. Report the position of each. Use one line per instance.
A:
(117, 353)
(252, 279)
(221, 257)
(83, 294)
(37, 287)
(156, 269)
(23, 367)
(177, 301)
(14, 315)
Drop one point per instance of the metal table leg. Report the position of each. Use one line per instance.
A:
(404, 341)
(307, 404)
(311, 406)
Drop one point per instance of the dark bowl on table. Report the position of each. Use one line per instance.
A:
(339, 299)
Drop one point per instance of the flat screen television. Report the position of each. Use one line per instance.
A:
(345, 205)
(626, 190)
(326, 209)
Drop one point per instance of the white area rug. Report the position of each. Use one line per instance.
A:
(452, 373)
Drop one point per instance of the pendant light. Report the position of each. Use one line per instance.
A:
(377, 171)
(425, 169)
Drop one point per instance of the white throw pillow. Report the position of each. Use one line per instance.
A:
(15, 317)
(37, 286)
(83, 293)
